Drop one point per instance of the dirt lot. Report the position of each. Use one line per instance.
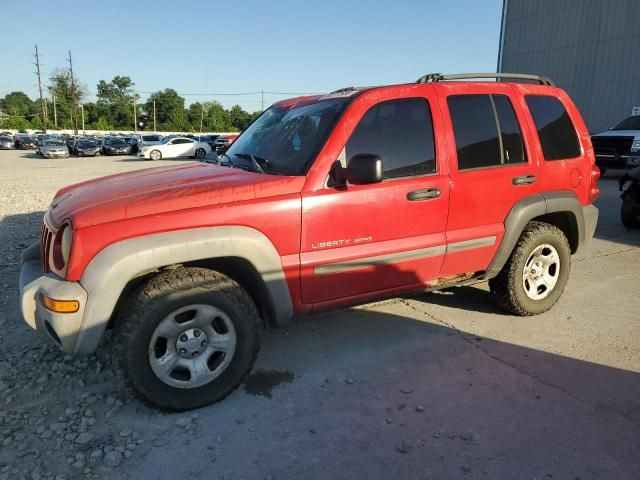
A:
(435, 386)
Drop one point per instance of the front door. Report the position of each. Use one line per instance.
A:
(363, 240)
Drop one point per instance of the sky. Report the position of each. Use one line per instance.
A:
(208, 47)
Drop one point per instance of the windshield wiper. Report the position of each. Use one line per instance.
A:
(254, 161)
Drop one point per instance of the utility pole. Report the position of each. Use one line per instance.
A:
(74, 105)
(43, 105)
(55, 111)
(135, 114)
(201, 117)
(82, 110)
(154, 116)
(262, 100)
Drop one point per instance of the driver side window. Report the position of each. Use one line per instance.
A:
(401, 133)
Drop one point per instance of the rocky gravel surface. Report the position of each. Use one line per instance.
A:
(60, 416)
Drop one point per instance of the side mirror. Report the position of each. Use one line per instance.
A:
(362, 169)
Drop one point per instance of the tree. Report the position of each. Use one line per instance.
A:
(16, 123)
(61, 87)
(17, 103)
(170, 110)
(103, 124)
(116, 100)
(239, 118)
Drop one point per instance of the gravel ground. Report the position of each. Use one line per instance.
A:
(435, 386)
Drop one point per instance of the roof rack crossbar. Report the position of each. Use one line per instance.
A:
(439, 77)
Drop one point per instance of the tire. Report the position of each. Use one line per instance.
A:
(538, 288)
(628, 214)
(138, 339)
(155, 155)
(602, 172)
(200, 153)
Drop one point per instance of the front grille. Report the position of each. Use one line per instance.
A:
(46, 244)
(612, 145)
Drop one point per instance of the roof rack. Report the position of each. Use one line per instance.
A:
(439, 77)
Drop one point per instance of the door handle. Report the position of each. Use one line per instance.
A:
(524, 180)
(423, 194)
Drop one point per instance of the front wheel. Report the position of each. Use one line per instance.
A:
(200, 153)
(532, 280)
(155, 155)
(186, 339)
(629, 212)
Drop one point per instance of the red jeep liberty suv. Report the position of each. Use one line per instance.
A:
(323, 201)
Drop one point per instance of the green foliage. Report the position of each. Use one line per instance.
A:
(115, 101)
(102, 124)
(113, 109)
(17, 103)
(15, 123)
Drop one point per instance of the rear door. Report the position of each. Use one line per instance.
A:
(565, 155)
(491, 169)
(363, 240)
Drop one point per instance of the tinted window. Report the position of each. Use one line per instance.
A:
(512, 144)
(401, 133)
(555, 130)
(629, 123)
(486, 131)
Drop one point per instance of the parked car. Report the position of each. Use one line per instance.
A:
(116, 146)
(53, 149)
(176, 148)
(618, 147)
(221, 143)
(6, 142)
(25, 142)
(209, 139)
(331, 200)
(86, 148)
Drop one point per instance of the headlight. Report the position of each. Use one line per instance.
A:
(62, 246)
(635, 146)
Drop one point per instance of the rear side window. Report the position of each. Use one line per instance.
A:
(401, 133)
(486, 131)
(557, 134)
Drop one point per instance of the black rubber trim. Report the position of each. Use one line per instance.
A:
(534, 206)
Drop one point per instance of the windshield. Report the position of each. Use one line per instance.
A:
(629, 123)
(150, 138)
(86, 144)
(54, 144)
(286, 140)
(117, 142)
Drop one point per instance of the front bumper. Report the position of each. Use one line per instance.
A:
(625, 162)
(62, 328)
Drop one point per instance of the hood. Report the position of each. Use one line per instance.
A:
(164, 189)
(619, 133)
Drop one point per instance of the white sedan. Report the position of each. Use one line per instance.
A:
(175, 148)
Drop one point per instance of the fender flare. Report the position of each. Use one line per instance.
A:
(527, 209)
(109, 271)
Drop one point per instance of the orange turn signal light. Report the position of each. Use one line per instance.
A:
(61, 306)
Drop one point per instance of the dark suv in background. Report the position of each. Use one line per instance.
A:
(618, 147)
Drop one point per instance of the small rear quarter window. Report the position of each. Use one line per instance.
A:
(556, 131)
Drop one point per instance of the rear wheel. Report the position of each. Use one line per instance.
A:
(155, 155)
(535, 275)
(200, 153)
(186, 339)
